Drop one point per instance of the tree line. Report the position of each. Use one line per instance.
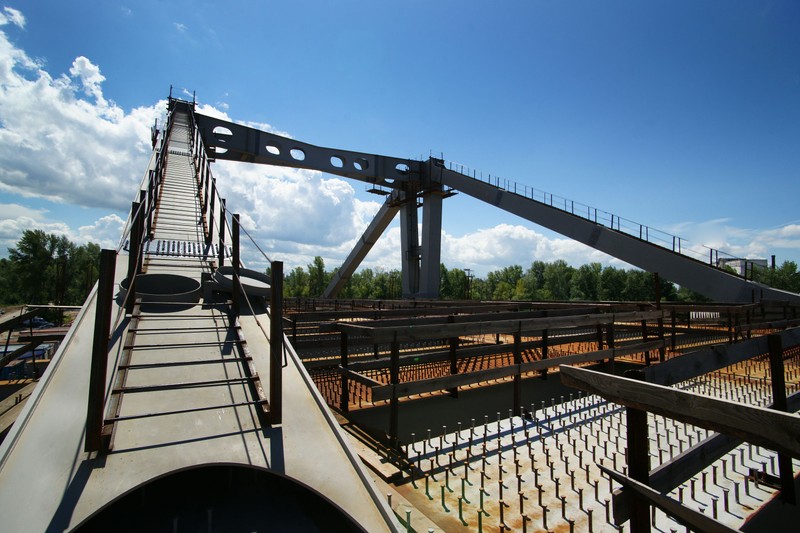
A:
(542, 281)
(46, 268)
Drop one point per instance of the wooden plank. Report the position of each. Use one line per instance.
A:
(7, 358)
(700, 362)
(386, 392)
(682, 467)
(764, 427)
(463, 352)
(775, 324)
(777, 373)
(608, 353)
(695, 520)
(361, 378)
(525, 326)
(376, 314)
(12, 323)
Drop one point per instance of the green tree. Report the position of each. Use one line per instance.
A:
(295, 283)
(611, 284)
(784, 277)
(557, 278)
(316, 277)
(585, 282)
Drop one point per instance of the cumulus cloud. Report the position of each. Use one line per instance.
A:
(9, 15)
(62, 140)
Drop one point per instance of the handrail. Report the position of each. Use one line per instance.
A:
(615, 222)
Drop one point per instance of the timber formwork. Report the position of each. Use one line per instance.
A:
(470, 427)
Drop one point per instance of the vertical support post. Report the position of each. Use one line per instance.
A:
(99, 366)
(599, 337)
(212, 194)
(611, 343)
(545, 344)
(779, 404)
(638, 463)
(134, 253)
(453, 358)
(674, 335)
(644, 339)
(344, 399)
(150, 202)
(409, 237)
(394, 402)
(430, 271)
(661, 350)
(518, 374)
(237, 280)
(276, 343)
(730, 327)
(221, 233)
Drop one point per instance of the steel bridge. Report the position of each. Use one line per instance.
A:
(176, 402)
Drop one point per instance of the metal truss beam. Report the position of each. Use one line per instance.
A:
(234, 142)
(375, 229)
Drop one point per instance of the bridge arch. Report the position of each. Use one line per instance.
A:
(220, 497)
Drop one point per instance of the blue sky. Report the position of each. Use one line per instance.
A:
(681, 115)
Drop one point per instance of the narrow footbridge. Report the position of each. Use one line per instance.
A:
(175, 403)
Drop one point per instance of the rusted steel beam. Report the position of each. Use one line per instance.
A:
(763, 427)
(99, 366)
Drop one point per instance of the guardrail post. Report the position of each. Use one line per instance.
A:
(453, 341)
(134, 253)
(638, 463)
(545, 346)
(775, 344)
(394, 402)
(276, 343)
(237, 280)
(344, 397)
(518, 374)
(99, 365)
(221, 233)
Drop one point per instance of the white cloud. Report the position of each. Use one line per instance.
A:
(62, 139)
(16, 218)
(13, 16)
(106, 232)
(57, 144)
(180, 27)
(90, 77)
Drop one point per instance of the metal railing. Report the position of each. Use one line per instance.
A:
(663, 239)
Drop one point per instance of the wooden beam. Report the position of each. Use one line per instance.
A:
(763, 427)
(679, 469)
(12, 323)
(775, 324)
(608, 353)
(445, 382)
(361, 378)
(7, 358)
(384, 392)
(377, 314)
(695, 520)
(700, 362)
(525, 326)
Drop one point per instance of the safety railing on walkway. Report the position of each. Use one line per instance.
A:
(138, 231)
(711, 256)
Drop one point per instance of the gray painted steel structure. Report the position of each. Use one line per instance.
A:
(412, 181)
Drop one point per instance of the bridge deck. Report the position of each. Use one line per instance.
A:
(180, 397)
